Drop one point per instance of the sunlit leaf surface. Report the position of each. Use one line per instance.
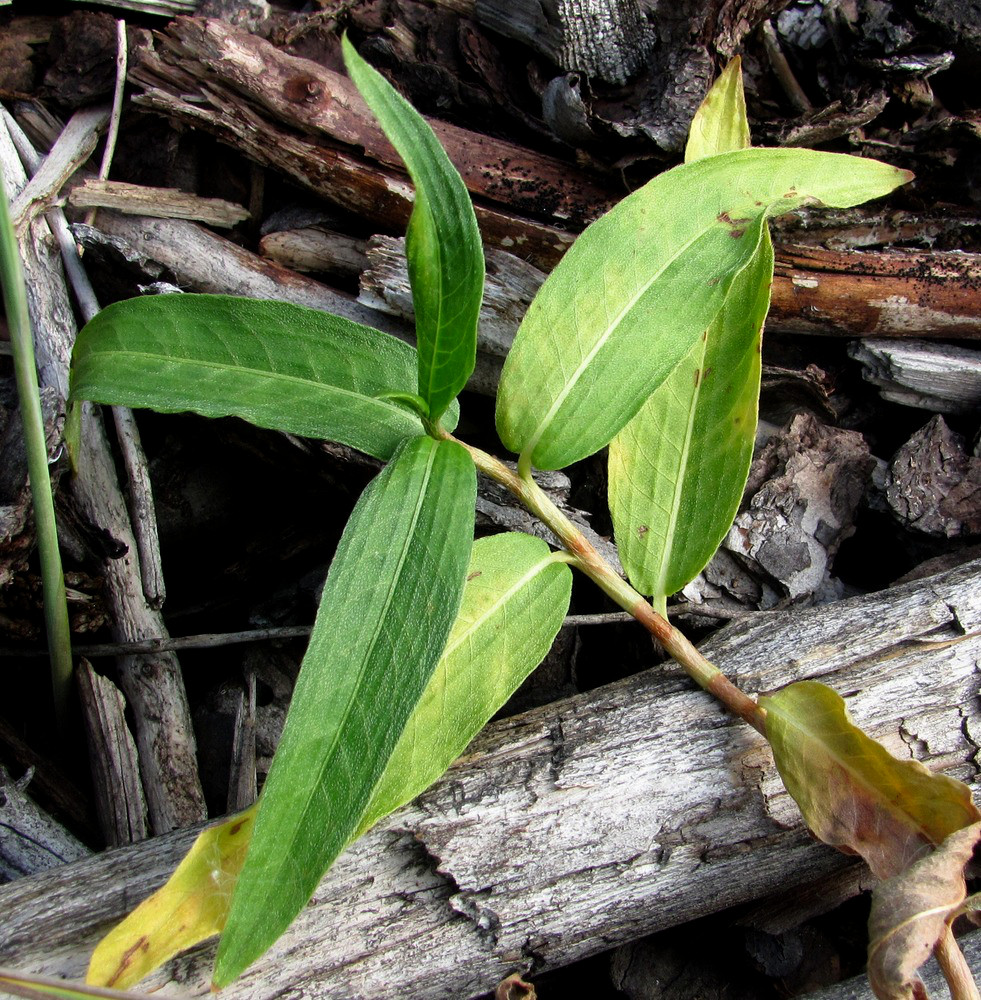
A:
(630, 297)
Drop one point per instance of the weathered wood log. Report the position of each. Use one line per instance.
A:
(941, 378)
(582, 824)
(113, 759)
(31, 841)
(898, 293)
(307, 96)
(815, 290)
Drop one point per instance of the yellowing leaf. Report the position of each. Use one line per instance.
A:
(853, 793)
(191, 907)
(514, 601)
(720, 123)
(910, 913)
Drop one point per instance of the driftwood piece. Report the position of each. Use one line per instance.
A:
(72, 148)
(309, 97)
(815, 291)
(510, 286)
(937, 377)
(315, 248)
(153, 685)
(160, 203)
(113, 759)
(898, 293)
(804, 489)
(30, 840)
(202, 261)
(582, 824)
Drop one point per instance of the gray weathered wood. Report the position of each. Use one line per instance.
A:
(72, 148)
(113, 759)
(31, 841)
(161, 203)
(583, 824)
(153, 685)
(510, 286)
(940, 378)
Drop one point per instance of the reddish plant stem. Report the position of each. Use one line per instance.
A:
(954, 966)
(704, 673)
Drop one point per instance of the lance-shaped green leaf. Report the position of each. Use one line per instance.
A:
(720, 123)
(442, 245)
(391, 595)
(911, 911)
(514, 601)
(853, 793)
(678, 468)
(630, 297)
(276, 365)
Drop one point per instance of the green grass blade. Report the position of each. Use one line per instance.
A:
(25, 369)
(678, 469)
(393, 591)
(641, 284)
(276, 365)
(443, 247)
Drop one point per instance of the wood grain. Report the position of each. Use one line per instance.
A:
(583, 824)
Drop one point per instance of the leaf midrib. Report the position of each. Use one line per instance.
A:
(327, 758)
(602, 340)
(257, 372)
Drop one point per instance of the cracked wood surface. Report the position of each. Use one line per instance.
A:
(579, 825)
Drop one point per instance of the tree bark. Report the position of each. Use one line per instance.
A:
(579, 825)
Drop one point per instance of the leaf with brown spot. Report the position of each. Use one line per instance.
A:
(853, 793)
(911, 911)
(191, 907)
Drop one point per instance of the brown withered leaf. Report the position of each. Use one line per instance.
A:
(910, 912)
(853, 793)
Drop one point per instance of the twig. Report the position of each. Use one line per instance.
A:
(25, 367)
(73, 147)
(778, 61)
(142, 509)
(117, 109)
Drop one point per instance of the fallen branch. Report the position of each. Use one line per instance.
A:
(585, 823)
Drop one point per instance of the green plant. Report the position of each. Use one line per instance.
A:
(646, 338)
(53, 580)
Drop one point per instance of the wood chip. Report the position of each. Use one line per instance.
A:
(158, 203)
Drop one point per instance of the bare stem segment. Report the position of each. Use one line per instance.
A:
(704, 673)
